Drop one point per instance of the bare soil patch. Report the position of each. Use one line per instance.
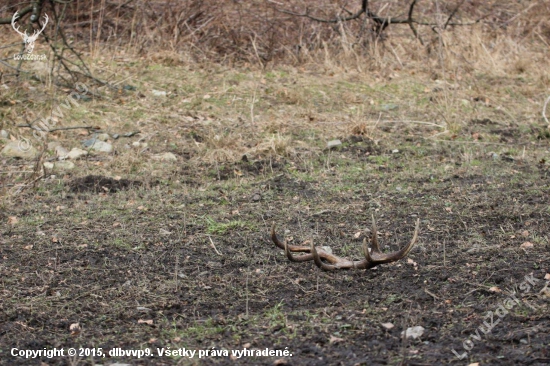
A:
(136, 268)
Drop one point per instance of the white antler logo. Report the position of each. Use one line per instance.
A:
(29, 40)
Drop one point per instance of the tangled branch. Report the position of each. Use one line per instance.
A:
(381, 23)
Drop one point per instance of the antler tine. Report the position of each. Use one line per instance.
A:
(375, 245)
(275, 239)
(291, 248)
(301, 258)
(377, 257)
(318, 262)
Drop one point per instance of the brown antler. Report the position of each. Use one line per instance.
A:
(320, 256)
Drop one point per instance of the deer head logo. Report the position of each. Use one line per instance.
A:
(29, 40)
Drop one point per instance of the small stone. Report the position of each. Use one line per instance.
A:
(19, 149)
(394, 151)
(333, 143)
(526, 245)
(63, 165)
(59, 165)
(4, 134)
(53, 144)
(139, 144)
(102, 147)
(103, 137)
(168, 156)
(98, 145)
(256, 198)
(158, 93)
(388, 325)
(413, 332)
(76, 153)
(61, 152)
(389, 107)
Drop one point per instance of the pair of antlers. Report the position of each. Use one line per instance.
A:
(329, 262)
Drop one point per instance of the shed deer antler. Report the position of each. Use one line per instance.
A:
(321, 257)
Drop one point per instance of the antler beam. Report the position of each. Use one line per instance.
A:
(329, 262)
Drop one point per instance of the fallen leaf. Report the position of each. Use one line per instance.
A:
(525, 233)
(357, 235)
(148, 321)
(388, 325)
(547, 276)
(12, 220)
(495, 289)
(474, 364)
(526, 245)
(334, 339)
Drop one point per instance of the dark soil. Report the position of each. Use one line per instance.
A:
(193, 266)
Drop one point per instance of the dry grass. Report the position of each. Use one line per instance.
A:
(242, 91)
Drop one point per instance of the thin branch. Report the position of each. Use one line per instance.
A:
(21, 14)
(411, 25)
(453, 14)
(382, 22)
(334, 20)
(57, 129)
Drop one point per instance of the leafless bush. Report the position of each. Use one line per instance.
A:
(260, 31)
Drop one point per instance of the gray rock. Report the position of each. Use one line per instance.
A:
(4, 134)
(19, 149)
(333, 143)
(98, 145)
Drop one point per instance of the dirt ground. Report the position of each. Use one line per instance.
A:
(130, 253)
(147, 266)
